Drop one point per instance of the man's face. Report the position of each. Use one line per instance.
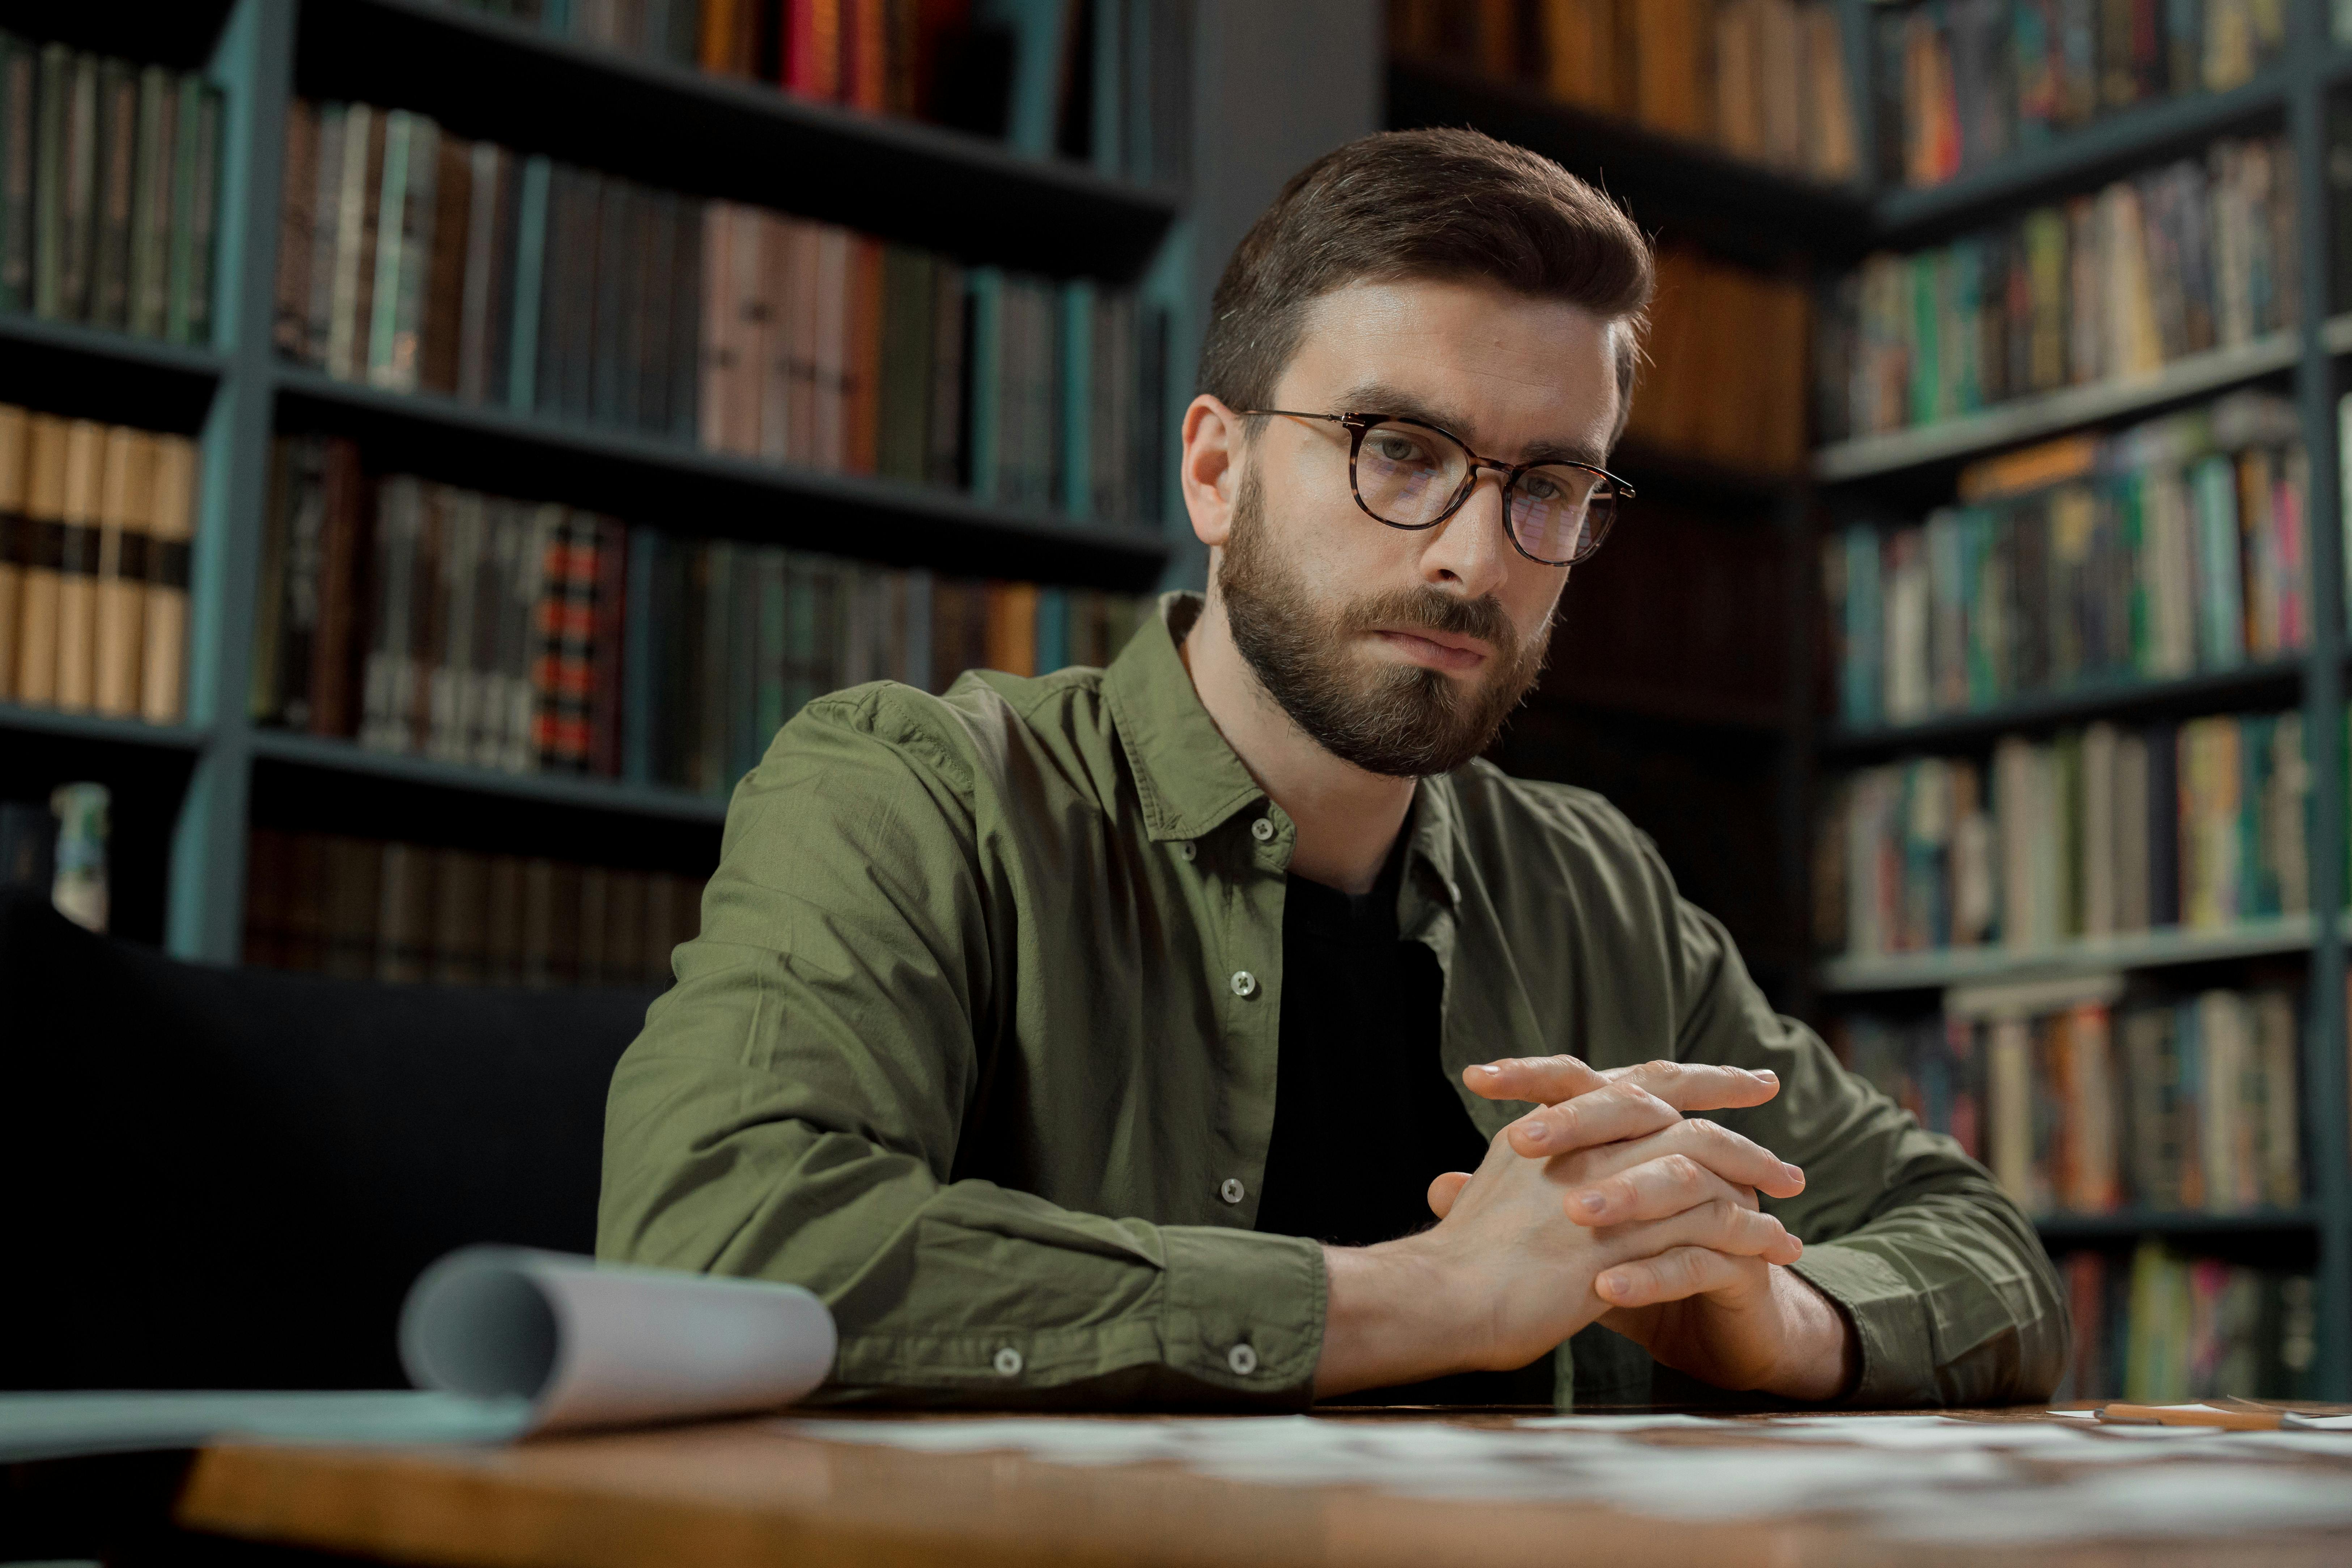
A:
(1403, 651)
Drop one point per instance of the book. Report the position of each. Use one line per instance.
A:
(15, 539)
(125, 517)
(78, 560)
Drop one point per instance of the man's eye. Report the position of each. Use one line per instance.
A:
(1395, 450)
(1549, 491)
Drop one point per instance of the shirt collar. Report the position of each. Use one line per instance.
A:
(1188, 777)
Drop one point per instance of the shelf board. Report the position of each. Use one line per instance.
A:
(1931, 971)
(558, 789)
(648, 478)
(24, 330)
(2273, 677)
(2053, 413)
(664, 123)
(1746, 206)
(2164, 1221)
(91, 373)
(18, 719)
(2105, 147)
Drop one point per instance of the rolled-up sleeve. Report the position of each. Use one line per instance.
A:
(793, 1108)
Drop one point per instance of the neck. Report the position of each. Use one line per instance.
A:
(1347, 819)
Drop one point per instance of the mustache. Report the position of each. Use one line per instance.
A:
(1430, 610)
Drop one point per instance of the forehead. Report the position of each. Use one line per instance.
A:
(1499, 368)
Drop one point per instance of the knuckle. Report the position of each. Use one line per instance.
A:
(1682, 1170)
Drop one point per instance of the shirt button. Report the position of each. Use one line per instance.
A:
(1188, 850)
(1008, 1363)
(1262, 830)
(1232, 1190)
(1243, 1360)
(1243, 982)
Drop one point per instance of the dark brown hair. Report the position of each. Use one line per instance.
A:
(1434, 204)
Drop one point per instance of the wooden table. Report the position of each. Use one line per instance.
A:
(751, 1492)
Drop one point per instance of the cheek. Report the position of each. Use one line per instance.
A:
(1530, 597)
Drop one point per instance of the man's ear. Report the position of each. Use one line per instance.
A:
(1209, 471)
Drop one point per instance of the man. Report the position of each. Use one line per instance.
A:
(1110, 1039)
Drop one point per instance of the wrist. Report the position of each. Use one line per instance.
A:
(1821, 1358)
(1394, 1313)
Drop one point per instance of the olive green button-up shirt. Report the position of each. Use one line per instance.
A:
(978, 1043)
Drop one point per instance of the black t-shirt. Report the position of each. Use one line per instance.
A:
(1363, 1114)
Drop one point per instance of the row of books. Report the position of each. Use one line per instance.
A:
(109, 185)
(2171, 548)
(2092, 1106)
(2096, 833)
(2195, 255)
(1098, 79)
(1725, 384)
(95, 522)
(368, 909)
(423, 618)
(1762, 79)
(416, 261)
(2171, 1328)
(1962, 84)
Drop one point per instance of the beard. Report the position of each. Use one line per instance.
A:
(1400, 721)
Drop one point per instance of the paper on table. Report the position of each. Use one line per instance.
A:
(592, 1345)
(1924, 1473)
(504, 1341)
(62, 1425)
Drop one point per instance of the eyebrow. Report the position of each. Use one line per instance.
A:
(1379, 397)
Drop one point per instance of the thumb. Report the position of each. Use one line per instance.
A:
(1445, 1190)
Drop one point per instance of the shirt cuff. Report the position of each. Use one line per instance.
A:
(1243, 1311)
(1890, 1329)
(1238, 1318)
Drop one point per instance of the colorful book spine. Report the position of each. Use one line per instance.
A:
(2172, 548)
(2096, 833)
(2196, 256)
(538, 637)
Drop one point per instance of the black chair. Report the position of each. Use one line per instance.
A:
(223, 1178)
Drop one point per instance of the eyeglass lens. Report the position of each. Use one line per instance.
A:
(1409, 476)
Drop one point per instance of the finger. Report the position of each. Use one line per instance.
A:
(1445, 1190)
(1722, 1225)
(1685, 1086)
(1700, 1086)
(1547, 1080)
(1655, 1189)
(1610, 1114)
(1674, 1275)
(1740, 1161)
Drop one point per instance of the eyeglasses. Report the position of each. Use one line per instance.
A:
(1410, 474)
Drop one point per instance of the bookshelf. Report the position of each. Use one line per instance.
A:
(1683, 189)
(188, 795)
